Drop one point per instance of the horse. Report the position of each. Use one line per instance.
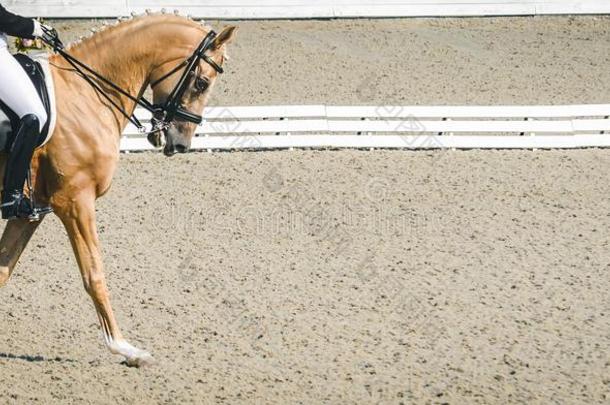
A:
(76, 166)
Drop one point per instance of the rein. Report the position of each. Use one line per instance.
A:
(163, 114)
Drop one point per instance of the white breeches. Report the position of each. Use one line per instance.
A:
(16, 88)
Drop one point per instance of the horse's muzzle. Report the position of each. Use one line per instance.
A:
(171, 150)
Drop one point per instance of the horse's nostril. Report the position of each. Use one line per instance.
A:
(181, 148)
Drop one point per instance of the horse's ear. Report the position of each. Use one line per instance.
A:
(225, 36)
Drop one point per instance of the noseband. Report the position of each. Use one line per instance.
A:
(163, 114)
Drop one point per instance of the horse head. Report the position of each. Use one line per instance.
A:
(198, 84)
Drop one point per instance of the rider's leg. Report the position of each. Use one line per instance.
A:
(16, 88)
(19, 94)
(17, 165)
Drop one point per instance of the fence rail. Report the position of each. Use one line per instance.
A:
(249, 9)
(409, 127)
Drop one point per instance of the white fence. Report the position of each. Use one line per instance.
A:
(246, 9)
(414, 127)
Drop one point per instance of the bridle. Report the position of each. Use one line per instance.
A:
(162, 114)
(172, 108)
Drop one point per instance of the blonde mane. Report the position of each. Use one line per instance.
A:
(122, 22)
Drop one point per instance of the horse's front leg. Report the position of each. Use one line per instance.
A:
(15, 238)
(78, 216)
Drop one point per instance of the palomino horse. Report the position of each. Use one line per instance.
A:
(77, 165)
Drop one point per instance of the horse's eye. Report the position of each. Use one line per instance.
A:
(201, 84)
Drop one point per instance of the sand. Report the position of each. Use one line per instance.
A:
(345, 276)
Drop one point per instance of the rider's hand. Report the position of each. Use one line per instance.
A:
(38, 32)
(48, 34)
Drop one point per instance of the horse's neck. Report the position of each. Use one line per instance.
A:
(115, 56)
(127, 53)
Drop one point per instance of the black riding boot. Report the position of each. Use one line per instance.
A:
(14, 203)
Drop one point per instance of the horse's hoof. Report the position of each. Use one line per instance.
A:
(140, 361)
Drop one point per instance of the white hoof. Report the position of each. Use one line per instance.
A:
(134, 357)
(142, 360)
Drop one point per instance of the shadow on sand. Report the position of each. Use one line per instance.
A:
(34, 359)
